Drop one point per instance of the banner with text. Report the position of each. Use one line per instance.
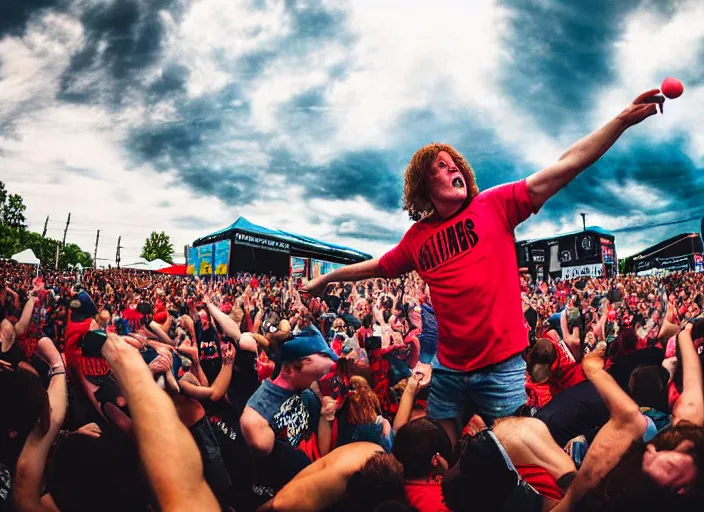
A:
(205, 260)
(262, 243)
(595, 270)
(191, 261)
(672, 263)
(222, 257)
(538, 255)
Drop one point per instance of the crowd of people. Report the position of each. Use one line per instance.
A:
(124, 390)
(433, 378)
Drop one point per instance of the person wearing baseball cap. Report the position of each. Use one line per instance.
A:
(285, 410)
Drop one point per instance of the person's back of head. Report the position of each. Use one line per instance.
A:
(378, 485)
(480, 480)
(87, 474)
(417, 445)
(629, 487)
(23, 404)
(648, 387)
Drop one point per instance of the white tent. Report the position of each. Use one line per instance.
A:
(138, 265)
(158, 264)
(26, 257)
(142, 264)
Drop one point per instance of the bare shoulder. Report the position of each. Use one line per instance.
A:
(351, 457)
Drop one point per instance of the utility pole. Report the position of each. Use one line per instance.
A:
(68, 221)
(117, 254)
(95, 254)
(584, 221)
(56, 265)
(46, 223)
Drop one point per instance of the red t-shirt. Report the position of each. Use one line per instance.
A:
(539, 393)
(77, 362)
(540, 480)
(565, 371)
(469, 262)
(425, 496)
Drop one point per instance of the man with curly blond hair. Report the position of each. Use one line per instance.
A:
(462, 245)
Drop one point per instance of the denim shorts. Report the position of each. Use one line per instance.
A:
(493, 392)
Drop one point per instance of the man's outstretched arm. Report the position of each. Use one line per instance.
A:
(357, 272)
(690, 405)
(549, 181)
(626, 424)
(167, 448)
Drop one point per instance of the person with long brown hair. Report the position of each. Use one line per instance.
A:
(360, 417)
(462, 246)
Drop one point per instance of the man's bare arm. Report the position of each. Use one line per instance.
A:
(690, 404)
(549, 181)
(357, 272)
(256, 432)
(30, 465)
(626, 424)
(220, 385)
(23, 323)
(227, 324)
(167, 448)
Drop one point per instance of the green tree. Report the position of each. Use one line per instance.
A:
(13, 212)
(15, 237)
(72, 254)
(10, 242)
(158, 246)
(626, 265)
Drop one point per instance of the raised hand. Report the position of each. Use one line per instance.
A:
(593, 361)
(328, 408)
(643, 106)
(161, 364)
(423, 373)
(315, 286)
(189, 349)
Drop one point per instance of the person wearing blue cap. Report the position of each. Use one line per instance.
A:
(284, 410)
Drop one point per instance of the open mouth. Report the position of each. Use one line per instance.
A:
(458, 183)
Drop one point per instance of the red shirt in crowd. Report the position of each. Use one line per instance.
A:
(76, 361)
(469, 263)
(565, 371)
(425, 496)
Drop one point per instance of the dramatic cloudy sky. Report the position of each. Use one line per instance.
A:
(136, 115)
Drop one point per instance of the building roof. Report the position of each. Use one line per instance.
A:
(676, 240)
(590, 229)
(242, 225)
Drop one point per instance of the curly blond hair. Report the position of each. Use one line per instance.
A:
(416, 199)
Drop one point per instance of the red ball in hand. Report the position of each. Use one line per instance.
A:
(672, 88)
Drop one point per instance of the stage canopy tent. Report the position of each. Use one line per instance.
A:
(681, 252)
(26, 257)
(298, 245)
